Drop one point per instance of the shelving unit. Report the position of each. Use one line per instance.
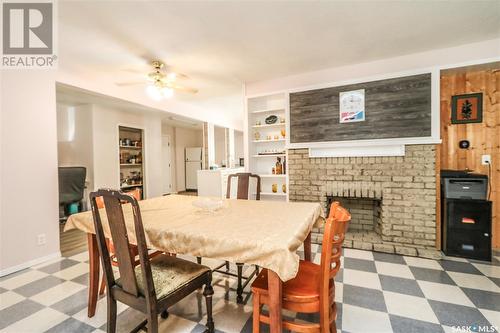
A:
(271, 138)
(131, 157)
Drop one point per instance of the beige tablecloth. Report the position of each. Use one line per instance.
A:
(264, 233)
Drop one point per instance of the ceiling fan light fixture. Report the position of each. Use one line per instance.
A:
(167, 92)
(154, 92)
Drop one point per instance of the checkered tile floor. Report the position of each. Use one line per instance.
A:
(375, 292)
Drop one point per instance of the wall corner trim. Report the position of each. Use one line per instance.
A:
(30, 263)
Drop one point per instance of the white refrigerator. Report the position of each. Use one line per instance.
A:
(193, 161)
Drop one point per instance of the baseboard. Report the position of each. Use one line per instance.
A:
(30, 263)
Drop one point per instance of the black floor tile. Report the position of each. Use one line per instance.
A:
(364, 297)
(458, 266)
(387, 257)
(431, 275)
(72, 304)
(458, 315)
(407, 325)
(483, 299)
(58, 266)
(360, 265)
(71, 325)
(400, 285)
(18, 311)
(38, 286)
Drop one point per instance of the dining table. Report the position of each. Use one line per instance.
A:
(264, 233)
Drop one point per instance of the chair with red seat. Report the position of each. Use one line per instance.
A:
(313, 288)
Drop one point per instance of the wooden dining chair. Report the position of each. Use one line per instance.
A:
(243, 180)
(137, 194)
(313, 288)
(154, 285)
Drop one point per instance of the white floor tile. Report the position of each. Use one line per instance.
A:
(356, 319)
(176, 324)
(229, 316)
(361, 279)
(9, 298)
(22, 279)
(489, 270)
(409, 306)
(474, 281)
(423, 263)
(100, 316)
(391, 269)
(493, 317)
(38, 322)
(339, 292)
(57, 293)
(359, 254)
(444, 293)
(48, 262)
(83, 256)
(72, 272)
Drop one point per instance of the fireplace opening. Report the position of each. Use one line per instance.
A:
(366, 221)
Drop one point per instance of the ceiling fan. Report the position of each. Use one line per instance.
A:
(161, 84)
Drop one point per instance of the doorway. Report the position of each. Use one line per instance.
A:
(166, 158)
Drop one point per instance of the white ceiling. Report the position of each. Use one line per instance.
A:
(73, 96)
(220, 45)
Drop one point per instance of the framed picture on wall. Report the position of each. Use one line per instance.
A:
(467, 108)
(352, 106)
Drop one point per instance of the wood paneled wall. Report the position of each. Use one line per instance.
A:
(484, 137)
(395, 108)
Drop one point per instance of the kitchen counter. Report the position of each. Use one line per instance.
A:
(213, 183)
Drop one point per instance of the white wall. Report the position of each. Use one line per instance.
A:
(75, 139)
(220, 145)
(184, 138)
(106, 152)
(238, 147)
(28, 178)
(470, 53)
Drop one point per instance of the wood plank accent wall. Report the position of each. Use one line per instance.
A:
(395, 108)
(484, 137)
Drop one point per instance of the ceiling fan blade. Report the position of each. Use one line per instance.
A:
(133, 83)
(182, 88)
(133, 70)
(176, 75)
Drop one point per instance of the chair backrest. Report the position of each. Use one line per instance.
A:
(71, 184)
(334, 234)
(243, 181)
(113, 205)
(136, 193)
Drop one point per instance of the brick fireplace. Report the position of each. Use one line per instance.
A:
(392, 199)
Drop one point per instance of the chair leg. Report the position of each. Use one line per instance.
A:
(111, 327)
(198, 260)
(227, 266)
(239, 289)
(256, 313)
(103, 286)
(333, 324)
(208, 292)
(153, 322)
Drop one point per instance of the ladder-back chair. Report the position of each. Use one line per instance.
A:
(313, 288)
(154, 285)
